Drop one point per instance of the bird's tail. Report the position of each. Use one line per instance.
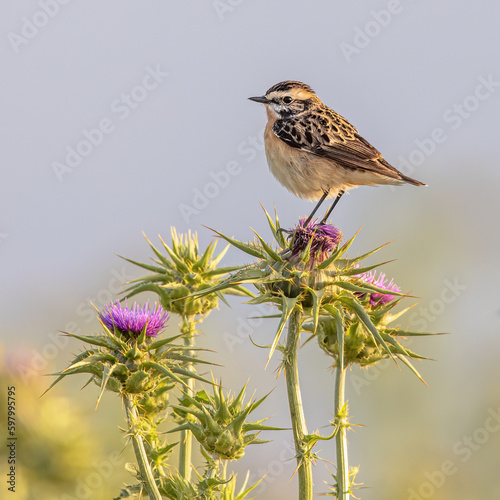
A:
(411, 181)
(396, 174)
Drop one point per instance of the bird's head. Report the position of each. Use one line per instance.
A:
(287, 98)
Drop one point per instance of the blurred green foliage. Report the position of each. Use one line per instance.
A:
(59, 455)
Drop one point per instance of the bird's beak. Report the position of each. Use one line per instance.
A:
(261, 99)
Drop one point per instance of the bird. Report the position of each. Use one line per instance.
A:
(314, 152)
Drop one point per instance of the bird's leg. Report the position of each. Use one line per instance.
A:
(321, 200)
(337, 199)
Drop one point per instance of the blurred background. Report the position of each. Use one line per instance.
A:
(123, 117)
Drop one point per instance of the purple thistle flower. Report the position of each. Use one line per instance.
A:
(132, 320)
(325, 239)
(380, 282)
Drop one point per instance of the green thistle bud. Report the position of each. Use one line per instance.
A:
(219, 422)
(366, 337)
(176, 487)
(155, 401)
(226, 444)
(181, 272)
(359, 346)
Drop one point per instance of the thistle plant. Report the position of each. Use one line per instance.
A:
(318, 289)
(219, 424)
(127, 359)
(176, 274)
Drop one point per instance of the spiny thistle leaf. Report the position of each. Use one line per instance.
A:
(271, 253)
(245, 247)
(288, 305)
(363, 316)
(337, 253)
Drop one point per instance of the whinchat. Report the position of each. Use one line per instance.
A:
(316, 153)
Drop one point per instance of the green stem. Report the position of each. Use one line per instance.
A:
(186, 438)
(340, 438)
(140, 452)
(341, 416)
(212, 471)
(304, 464)
(213, 467)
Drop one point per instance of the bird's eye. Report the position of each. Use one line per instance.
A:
(287, 99)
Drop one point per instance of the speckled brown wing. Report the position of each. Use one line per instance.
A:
(324, 133)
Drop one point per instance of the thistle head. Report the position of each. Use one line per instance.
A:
(360, 347)
(375, 298)
(132, 321)
(219, 422)
(179, 271)
(318, 240)
(127, 358)
(311, 272)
